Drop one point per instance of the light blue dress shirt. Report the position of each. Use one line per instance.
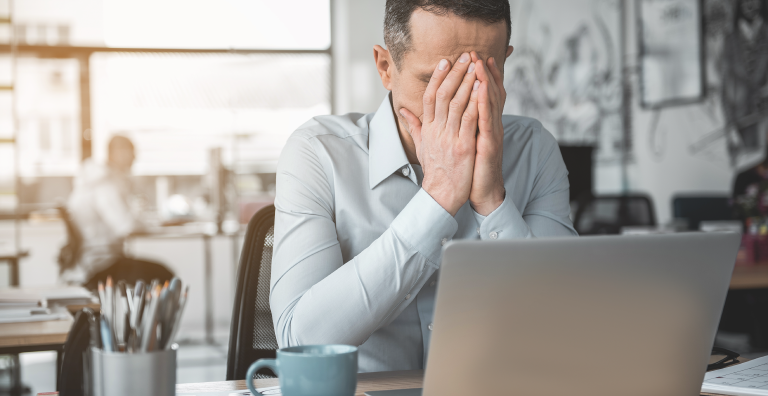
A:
(358, 242)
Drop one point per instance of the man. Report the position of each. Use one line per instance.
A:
(100, 212)
(365, 202)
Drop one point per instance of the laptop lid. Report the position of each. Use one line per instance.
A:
(629, 315)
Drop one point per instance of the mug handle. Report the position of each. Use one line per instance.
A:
(256, 366)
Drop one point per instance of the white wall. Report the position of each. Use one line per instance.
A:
(663, 163)
(356, 28)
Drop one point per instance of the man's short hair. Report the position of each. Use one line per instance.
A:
(397, 28)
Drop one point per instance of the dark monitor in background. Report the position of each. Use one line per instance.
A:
(579, 162)
(698, 208)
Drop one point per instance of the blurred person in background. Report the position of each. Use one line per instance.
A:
(98, 211)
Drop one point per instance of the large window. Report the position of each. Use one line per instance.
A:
(182, 78)
(176, 107)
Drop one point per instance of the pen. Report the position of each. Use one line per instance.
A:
(149, 333)
(106, 337)
(177, 319)
(169, 311)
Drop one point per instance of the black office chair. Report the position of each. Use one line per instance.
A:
(608, 214)
(251, 334)
(70, 252)
(696, 209)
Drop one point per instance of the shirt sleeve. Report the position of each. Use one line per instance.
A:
(113, 210)
(547, 213)
(316, 297)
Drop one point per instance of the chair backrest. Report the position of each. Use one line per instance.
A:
(70, 252)
(71, 376)
(252, 335)
(579, 160)
(607, 214)
(696, 209)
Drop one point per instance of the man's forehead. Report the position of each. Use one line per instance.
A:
(435, 37)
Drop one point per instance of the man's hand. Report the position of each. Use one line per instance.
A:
(445, 134)
(487, 191)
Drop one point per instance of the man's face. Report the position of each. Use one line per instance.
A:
(121, 157)
(437, 37)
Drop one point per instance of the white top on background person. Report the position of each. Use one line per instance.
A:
(365, 202)
(99, 209)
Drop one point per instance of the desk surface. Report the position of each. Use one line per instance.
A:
(34, 333)
(30, 334)
(365, 382)
(750, 276)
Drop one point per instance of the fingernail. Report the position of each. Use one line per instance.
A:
(476, 86)
(443, 64)
(471, 68)
(464, 58)
(402, 112)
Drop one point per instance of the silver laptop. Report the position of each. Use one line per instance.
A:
(629, 315)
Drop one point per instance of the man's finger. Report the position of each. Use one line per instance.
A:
(484, 75)
(441, 70)
(468, 128)
(450, 85)
(459, 102)
(495, 72)
(484, 107)
(414, 128)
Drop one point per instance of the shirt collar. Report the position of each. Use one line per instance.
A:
(386, 153)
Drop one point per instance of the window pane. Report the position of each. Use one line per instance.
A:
(48, 99)
(262, 24)
(177, 107)
(295, 24)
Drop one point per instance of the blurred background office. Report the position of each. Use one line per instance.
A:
(658, 106)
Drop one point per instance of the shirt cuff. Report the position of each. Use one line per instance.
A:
(505, 222)
(425, 225)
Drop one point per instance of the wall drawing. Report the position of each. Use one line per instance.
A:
(733, 119)
(670, 52)
(566, 71)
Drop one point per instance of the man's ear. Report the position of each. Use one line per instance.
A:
(509, 50)
(384, 65)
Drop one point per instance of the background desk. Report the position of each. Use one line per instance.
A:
(182, 232)
(24, 337)
(12, 257)
(750, 277)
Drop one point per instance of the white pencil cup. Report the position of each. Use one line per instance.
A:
(130, 374)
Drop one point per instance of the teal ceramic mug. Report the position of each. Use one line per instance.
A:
(311, 370)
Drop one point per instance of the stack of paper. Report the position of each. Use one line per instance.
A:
(745, 379)
(39, 304)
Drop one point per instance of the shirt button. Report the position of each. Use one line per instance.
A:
(478, 231)
(406, 172)
(494, 235)
(407, 296)
(431, 326)
(432, 284)
(444, 241)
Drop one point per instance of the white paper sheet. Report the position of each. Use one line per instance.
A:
(745, 379)
(269, 391)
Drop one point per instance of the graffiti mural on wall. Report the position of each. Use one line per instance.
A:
(736, 105)
(566, 71)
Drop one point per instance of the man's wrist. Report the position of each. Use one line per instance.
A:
(487, 206)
